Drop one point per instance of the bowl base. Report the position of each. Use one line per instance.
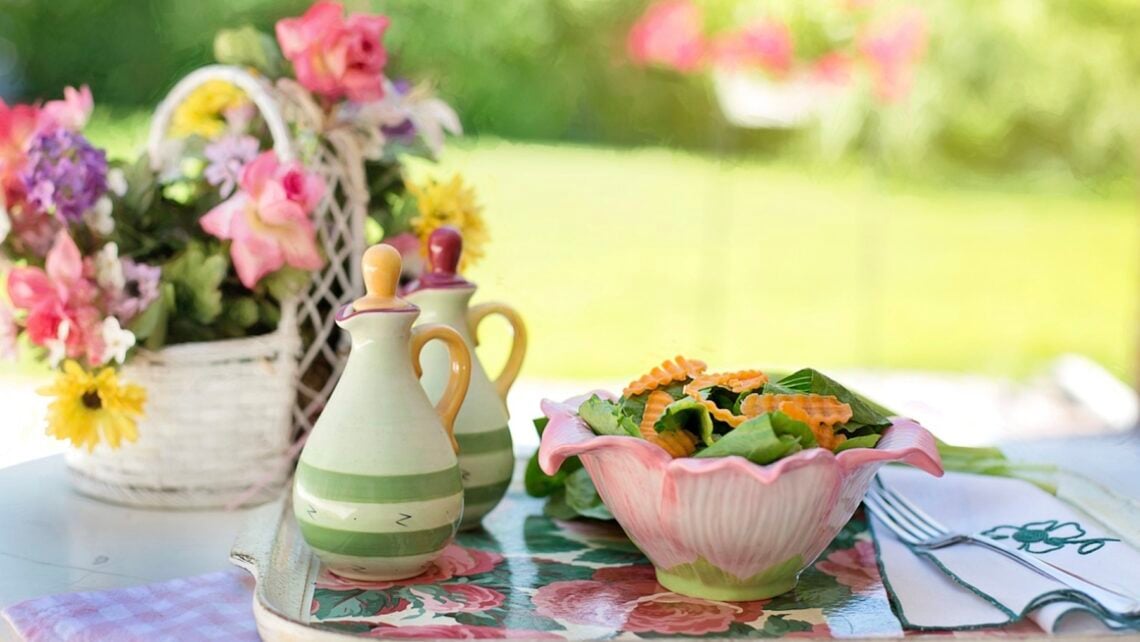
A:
(721, 591)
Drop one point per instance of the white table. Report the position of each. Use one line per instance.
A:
(53, 540)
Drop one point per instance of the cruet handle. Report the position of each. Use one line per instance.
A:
(510, 372)
(448, 406)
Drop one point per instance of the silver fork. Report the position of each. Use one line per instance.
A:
(922, 532)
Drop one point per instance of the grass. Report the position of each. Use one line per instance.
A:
(618, 259)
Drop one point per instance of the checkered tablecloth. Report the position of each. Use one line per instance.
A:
(215, 606)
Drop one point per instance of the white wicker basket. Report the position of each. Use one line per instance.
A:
(221, 416)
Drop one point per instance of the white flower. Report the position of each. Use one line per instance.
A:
(116, 341)
(109, 269)
(432, 117)
(5, 223)
(99, 219)
(57, 347)
(117, 182)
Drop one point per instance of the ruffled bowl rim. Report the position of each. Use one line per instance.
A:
(566, 435)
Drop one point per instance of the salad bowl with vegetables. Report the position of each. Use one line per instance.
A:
(731, 483)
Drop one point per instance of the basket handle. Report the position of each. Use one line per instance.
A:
(258, 90)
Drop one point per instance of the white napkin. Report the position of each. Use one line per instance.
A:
(977, 588)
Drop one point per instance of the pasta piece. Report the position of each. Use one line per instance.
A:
(734, 381)
(821, 413)
(677, 369)
(654, 407)
(678, 443)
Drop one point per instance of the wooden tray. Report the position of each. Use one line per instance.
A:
(529, 576)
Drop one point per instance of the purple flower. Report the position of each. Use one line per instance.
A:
(140, 289)
(227, 156)
(65, 174)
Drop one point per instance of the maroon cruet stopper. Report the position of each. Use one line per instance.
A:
(444, 249)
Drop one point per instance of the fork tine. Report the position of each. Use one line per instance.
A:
(917, 513)
(880, 510)
(905, 517)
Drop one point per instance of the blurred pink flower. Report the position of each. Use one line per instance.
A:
(669, 34)
(9, 351)
(268, 220)
(72, 112)
(834, 68)
(334, 56)
(892, 53)
(767, 45)
(59, 301)
(457, 632)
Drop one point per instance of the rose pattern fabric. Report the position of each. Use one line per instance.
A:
(531, 577)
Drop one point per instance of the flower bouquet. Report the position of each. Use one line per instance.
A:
(775, 64)
(186, 297)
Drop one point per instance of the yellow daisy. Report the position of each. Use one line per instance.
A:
(203, 111)
(450, 203)
(90, 408)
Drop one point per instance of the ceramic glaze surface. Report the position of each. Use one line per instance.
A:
(725, 528)
(486, 454)
(377, 494)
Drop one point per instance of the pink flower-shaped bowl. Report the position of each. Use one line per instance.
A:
(726, 528)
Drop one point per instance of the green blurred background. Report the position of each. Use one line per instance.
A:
(987, 223)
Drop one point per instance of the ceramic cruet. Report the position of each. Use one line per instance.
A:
(377, 493)
(486, 456)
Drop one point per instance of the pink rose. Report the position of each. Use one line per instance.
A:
(455, 561)
(269, 219)
(855, 568)
(459, 598)
(591, 602)
(669, 35)
(672, 613)
(334, 56)
(457, 632)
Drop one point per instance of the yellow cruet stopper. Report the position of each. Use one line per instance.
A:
(381, 268)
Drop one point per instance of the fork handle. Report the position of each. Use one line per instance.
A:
(1131, 608)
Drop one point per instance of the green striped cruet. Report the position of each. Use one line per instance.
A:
(377, 494)
(486, 455)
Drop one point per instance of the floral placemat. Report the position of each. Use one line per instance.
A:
(529, 576)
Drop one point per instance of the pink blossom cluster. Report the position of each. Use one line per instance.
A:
(672, 34)
(53, 186)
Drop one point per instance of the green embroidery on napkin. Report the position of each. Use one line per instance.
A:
(1048, 536)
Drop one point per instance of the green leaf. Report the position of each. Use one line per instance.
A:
(756, 440)
(249, 47)
(810, 381)
(606, 418)
(582, 496)
(634, 407)
(544, 536)
(556, 506)
(539, 484)
(241, 312)
(611, 557)
(286, 283)
(687, 414)
(866, 441)
(197, 278)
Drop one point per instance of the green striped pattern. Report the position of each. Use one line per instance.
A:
(376, 544)
(475, 495)
(378, 489)
(484, 442)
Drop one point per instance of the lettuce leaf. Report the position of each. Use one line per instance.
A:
(687, 414)
(865, 441)
(583, 498)
(762, 440)
(607, 418)
(811, 381)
